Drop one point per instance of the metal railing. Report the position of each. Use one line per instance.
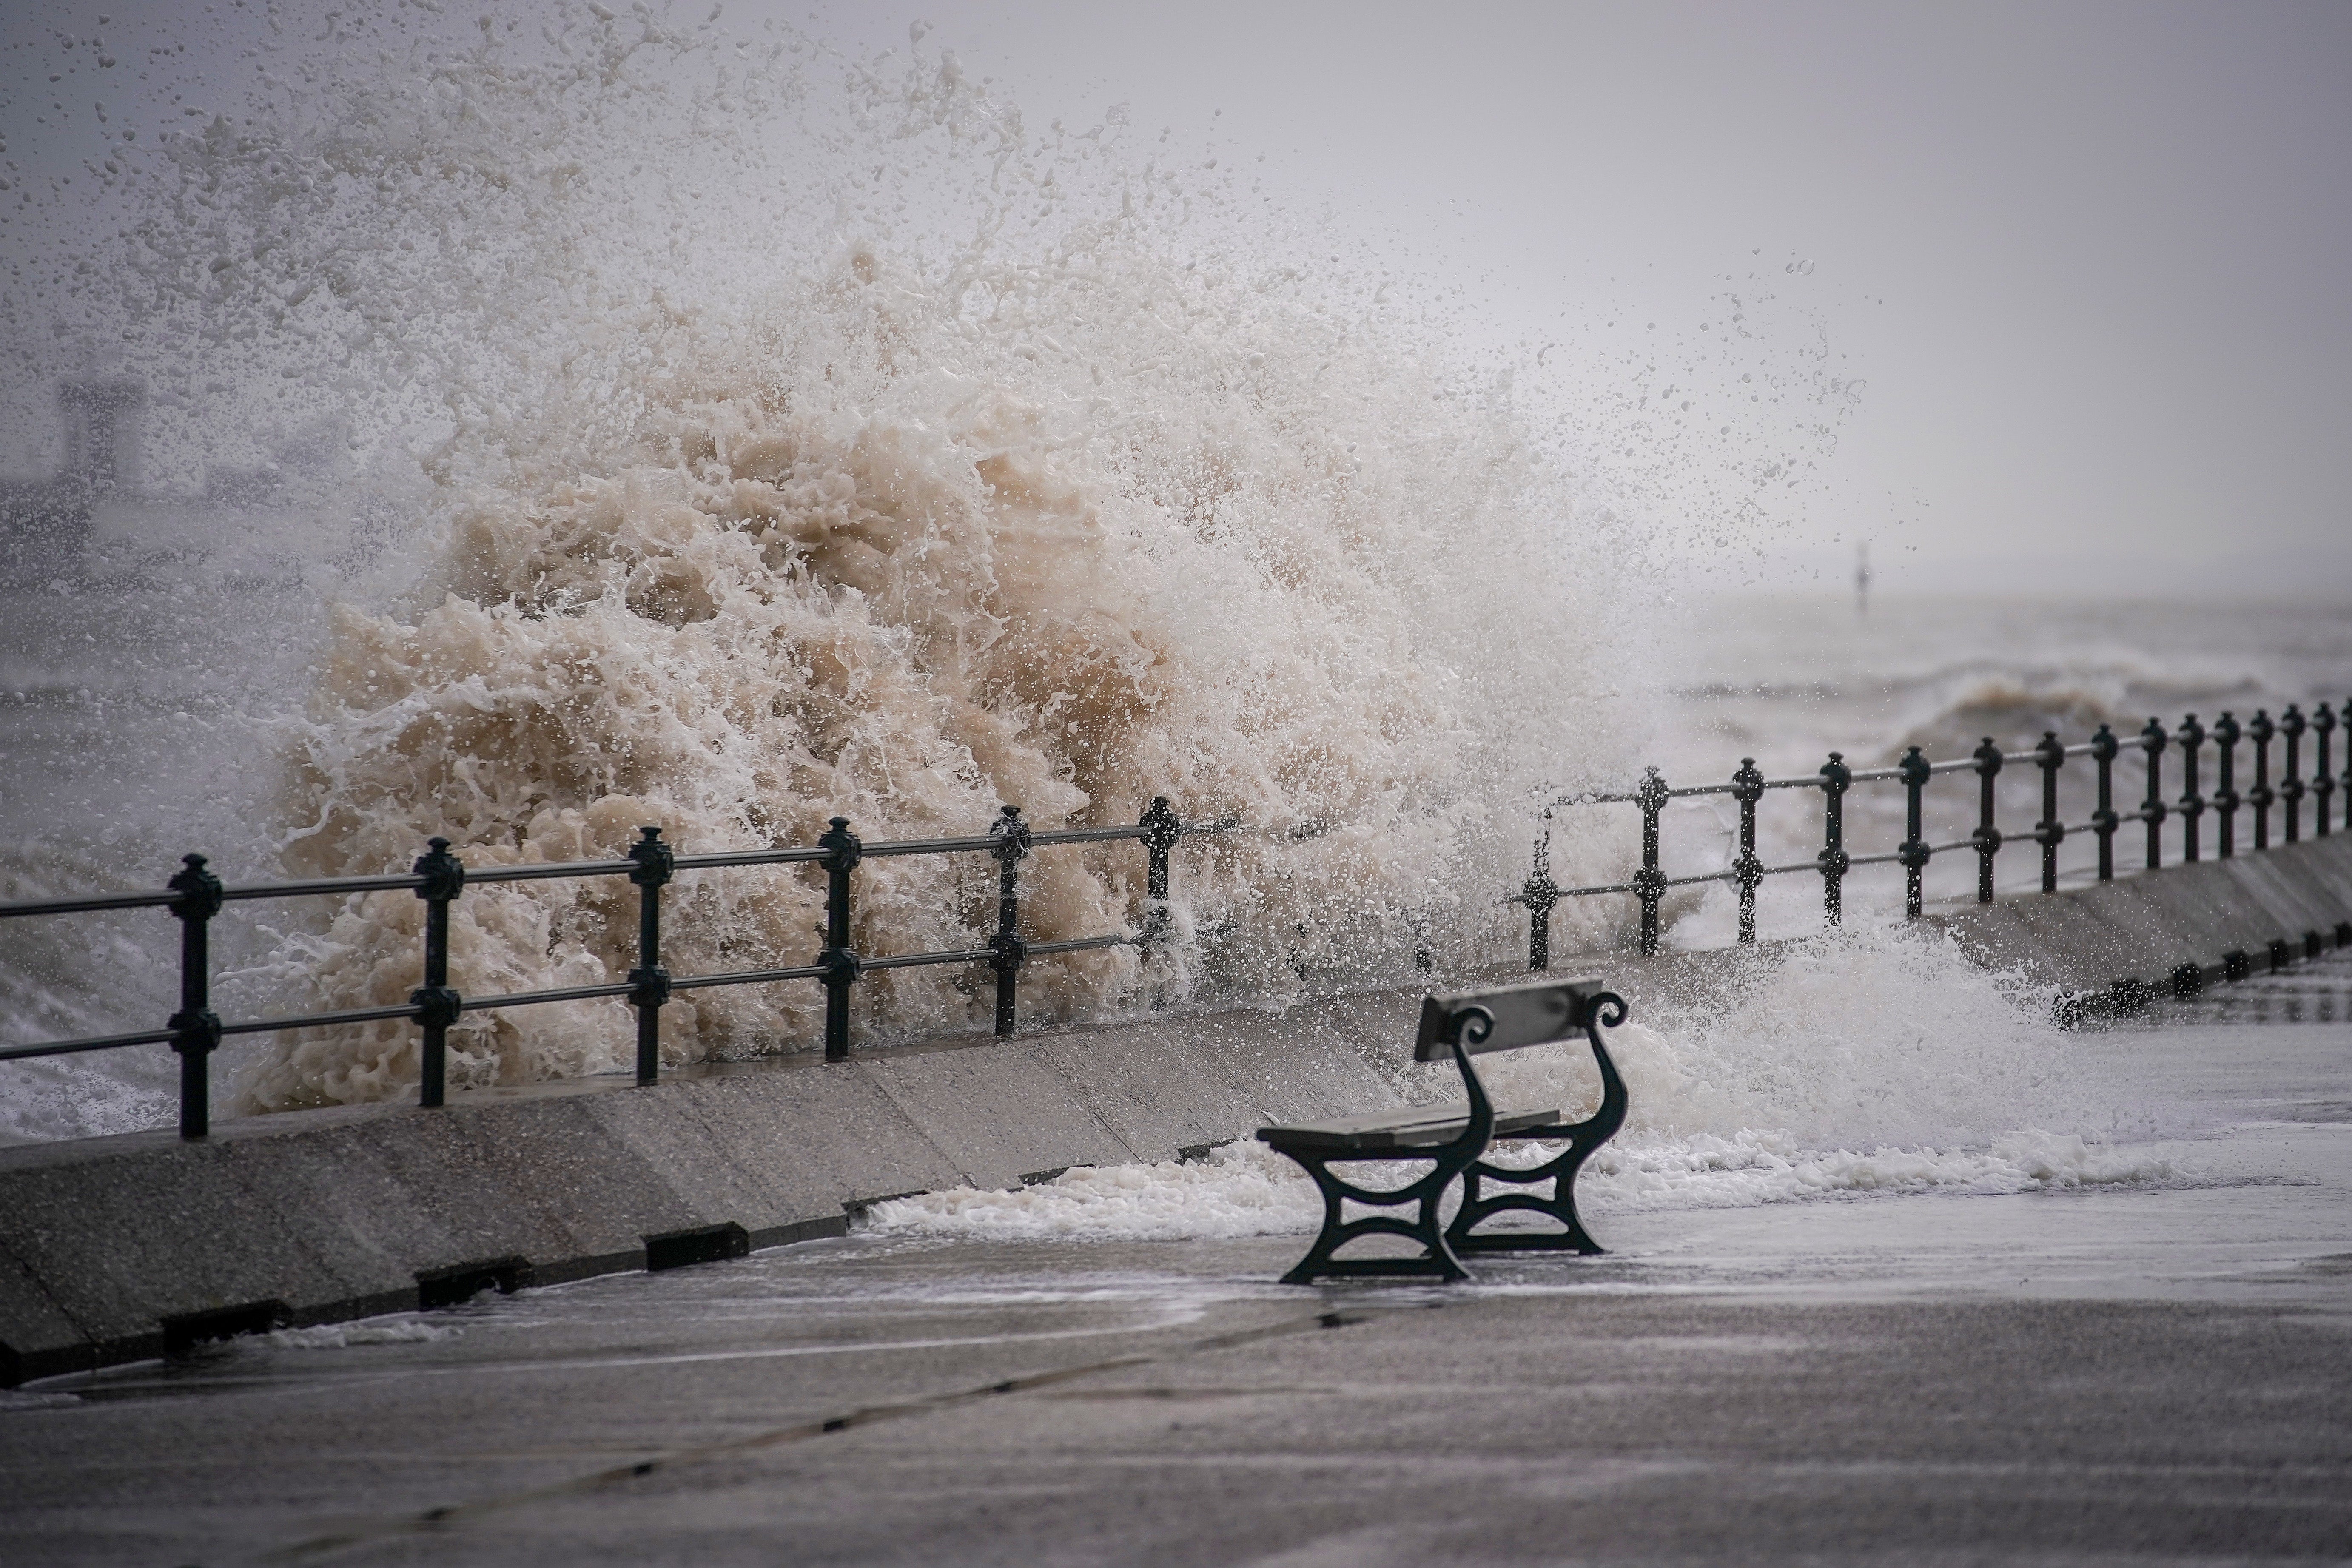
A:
(1833, 861)
(195, 896)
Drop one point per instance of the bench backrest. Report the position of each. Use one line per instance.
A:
(1513, 1016)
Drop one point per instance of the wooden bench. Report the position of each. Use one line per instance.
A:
(1455, 1139)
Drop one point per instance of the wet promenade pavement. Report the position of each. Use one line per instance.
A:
(2148, 1373)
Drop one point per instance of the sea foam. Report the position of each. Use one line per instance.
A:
(731, 436)
(1858, 1063)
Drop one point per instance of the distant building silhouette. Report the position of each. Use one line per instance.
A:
(44, 524)
(95, 523)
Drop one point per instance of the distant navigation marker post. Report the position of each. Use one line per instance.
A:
(1862, 578)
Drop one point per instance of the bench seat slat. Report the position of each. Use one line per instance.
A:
(1424, 1127)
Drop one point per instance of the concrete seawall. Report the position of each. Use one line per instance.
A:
(118, 1248)
(2147, 928)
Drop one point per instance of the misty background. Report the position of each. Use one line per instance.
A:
(2087, 259)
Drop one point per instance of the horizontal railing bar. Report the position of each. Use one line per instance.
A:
(96, 901)
(526, 998)
(1733, 876)
(193, 901)
(571, 994)
(749, 977)
(932, 846)
(321, 1020)
(551, 871)
(94, 1042)
(559, 870)
(1080, 945)
(386, 883)
(1085, 835)
(918, 960)
(1860, 775)
(749, 857)
(1961, 844)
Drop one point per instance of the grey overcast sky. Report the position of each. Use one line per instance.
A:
(2089, 259)
(2086, 259)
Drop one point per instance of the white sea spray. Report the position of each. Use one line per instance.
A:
(1868, 1062)
(342, 1336)
(717, 434)
(1088, 504)
(1248, 1189)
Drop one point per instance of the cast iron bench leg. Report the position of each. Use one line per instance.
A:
(1447, 1162)
(1583, 1138)
(1438, 1258)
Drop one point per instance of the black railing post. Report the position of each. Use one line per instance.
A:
(2290, 789)
(2322, 780)
(839, 960)
(2225, 791)
(1539, 893)
(1987, 837)
(2192, 805)
(437, 1004)
(196, 1028)
(2260, 797)
(1914, 851)
(2345, 778)
(1836, 779)
(2049, 832)
(1160, 831)
(1747, 788)
(1012, 842)
(2152, 740)
(1649, 882)
(2103, 821)
(655, 867)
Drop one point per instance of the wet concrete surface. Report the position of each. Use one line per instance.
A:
(2159, 1373)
